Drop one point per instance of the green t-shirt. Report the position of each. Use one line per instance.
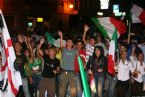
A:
(30, 67)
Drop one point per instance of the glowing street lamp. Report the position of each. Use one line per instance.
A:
(71, 6)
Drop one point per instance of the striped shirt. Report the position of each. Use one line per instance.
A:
(89, 51)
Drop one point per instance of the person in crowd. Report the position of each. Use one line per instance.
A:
(99, 42)
(19, 64)
(51, 68)
(125, 70)
(28, 52)
(97, 65)
(67, 76)
(122, 48)
(137, 81)
(22, 39)
(37, 67)
(82, 54)
(89, 46)
(29, 56)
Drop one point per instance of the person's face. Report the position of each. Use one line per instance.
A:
(51, 52)
(27, 53)
(97, 52)
(20, 37)
(107, 45)
(33, 44)
(99, 39)
(17, 46)
(124, 55)
(79, 45)
(140, 57)
(92, 41)
(122, 48)
(69, 43)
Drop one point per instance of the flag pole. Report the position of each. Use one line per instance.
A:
(129, 31)
(84, 78)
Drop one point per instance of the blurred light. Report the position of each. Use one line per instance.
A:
(115, 8)
(100, 13)
(30, 24)
(118, 14)
(71, 6)
(39, 19)
(104, 4)
(123, 13)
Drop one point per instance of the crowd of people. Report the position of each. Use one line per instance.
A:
(49, 71)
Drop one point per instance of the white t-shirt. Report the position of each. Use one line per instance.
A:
(141, 69)
(123, 70)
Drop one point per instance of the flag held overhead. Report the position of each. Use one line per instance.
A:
(107, 25)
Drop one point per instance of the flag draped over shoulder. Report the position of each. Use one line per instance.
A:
(10, 79)
(106, 25)
(138, 14)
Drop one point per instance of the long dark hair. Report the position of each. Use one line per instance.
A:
(101, 53)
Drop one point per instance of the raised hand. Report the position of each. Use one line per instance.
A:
(86, 28)
(42, 41)
(60, 33)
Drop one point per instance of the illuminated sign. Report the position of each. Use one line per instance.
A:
(39, 19)
(104, 4)
(115, 8)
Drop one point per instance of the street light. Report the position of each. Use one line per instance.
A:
(71, 6)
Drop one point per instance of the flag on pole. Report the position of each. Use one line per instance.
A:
(106, 25)
(111, 54)
(138, 14)
(110, 28)
(11, 79)
(50, 39)
(53, 41)
(84, 79)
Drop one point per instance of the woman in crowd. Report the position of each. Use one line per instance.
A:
(97, 65)
(137, 82)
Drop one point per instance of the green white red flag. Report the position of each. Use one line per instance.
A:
(10, 78)
(110, 28)
(138, 14)
(107, 25)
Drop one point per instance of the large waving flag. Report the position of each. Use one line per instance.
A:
(138, 14)
(111, 54)
(106, 25)
(10, 79)
(110, 28)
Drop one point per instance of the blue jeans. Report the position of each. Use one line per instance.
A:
(112, 83)
(99, 81)
(25, 87)
(36, 82)
(79, 85)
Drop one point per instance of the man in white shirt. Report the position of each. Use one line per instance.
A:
(125, 68)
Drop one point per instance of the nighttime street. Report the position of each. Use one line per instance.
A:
(72, 48)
